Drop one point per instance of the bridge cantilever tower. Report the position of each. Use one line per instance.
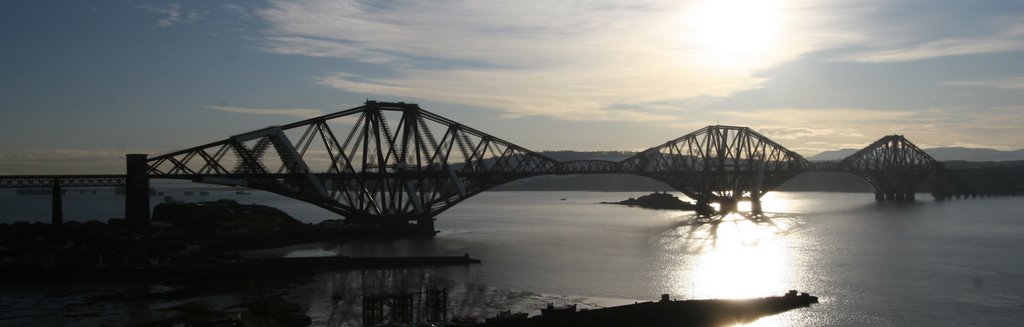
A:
(893, 166)
(377, 172)
(723, 164)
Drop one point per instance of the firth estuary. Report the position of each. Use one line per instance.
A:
(939, 263)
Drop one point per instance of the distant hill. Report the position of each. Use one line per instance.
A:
(832, 155)
(942, 154)
(973, 154)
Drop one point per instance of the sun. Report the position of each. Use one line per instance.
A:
(734, 32)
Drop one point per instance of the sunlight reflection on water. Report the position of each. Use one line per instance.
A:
(734, 256)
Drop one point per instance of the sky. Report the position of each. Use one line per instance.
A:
(84, 82)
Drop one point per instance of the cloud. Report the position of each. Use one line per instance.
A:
(173, 14)
(565, 60)
(942, 48)
(649, 62)
(62, 161)
(792, 133)
(812, 130)
(1007, 37)
(237, 10)
(1014, 83)
(40, 155)
(304, 46)
(845, 117)
(290, 112)
(818, 129)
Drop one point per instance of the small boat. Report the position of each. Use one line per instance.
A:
(242, 193)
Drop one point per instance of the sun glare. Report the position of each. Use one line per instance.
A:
(734, 32)
(739, 257)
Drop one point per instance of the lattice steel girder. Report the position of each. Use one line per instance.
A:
(381, 161)
(825, 166)
(891, 164)
(589, 167)
(20, 181)
(719, 162)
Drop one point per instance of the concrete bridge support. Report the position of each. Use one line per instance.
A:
(704, 208)
(895, 196)
(942, 187)
(136, 196)
(727, 205)
(57, 205)
(755, 206)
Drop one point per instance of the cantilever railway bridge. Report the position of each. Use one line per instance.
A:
(395, 163)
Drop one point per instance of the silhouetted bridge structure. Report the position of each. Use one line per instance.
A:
(395, 163)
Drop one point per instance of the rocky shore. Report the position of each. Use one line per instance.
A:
(657, 200)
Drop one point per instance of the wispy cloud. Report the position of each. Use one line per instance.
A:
(943, 48)
(1005, 37)
(304, 46)
(819, 116)
(290, 112)
(792, 133)
(566, 60)
(642, 62)
(237, 10)
(63, 155)
(172, 14)
(62, 161)
(1015, 83)
(811, 130)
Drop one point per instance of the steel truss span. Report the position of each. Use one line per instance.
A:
(589, 167)
(719, 163)
(893, 166)
(380, 163)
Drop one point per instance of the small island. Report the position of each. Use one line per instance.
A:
(657, 200)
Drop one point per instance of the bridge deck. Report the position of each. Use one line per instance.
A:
(26, 181)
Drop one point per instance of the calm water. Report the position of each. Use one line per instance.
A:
(948, 263)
